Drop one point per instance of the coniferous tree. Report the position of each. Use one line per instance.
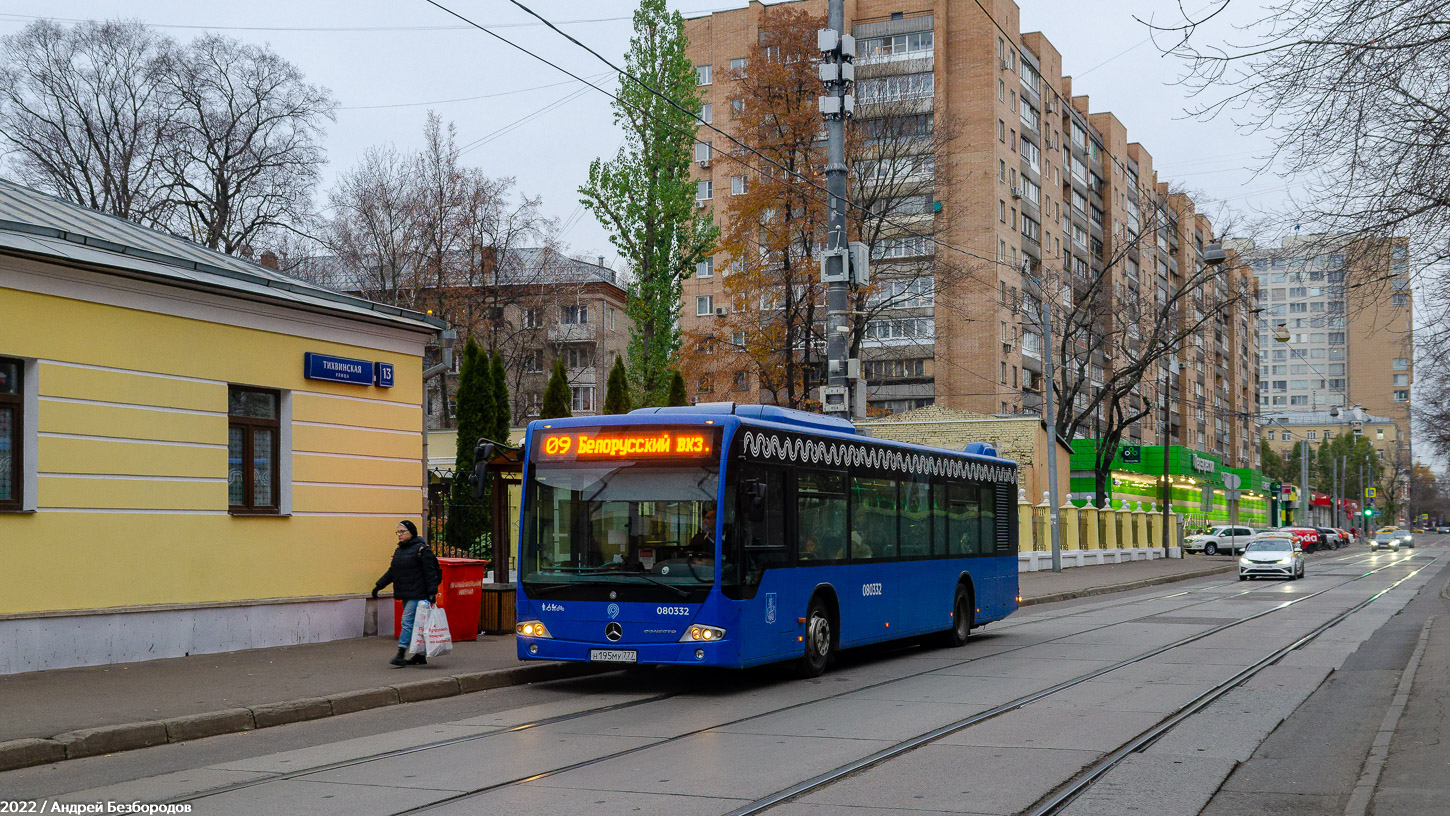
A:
(502, 415)
(467, 517)
(677, 390)
(556, 394)
(616, 394)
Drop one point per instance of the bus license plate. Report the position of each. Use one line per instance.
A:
(613, 656)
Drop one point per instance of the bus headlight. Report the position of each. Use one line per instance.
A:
(702, 634)
(531, 629)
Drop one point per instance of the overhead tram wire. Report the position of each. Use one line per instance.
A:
(598, 76)
(694, 115)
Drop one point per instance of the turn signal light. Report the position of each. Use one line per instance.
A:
(531, 629)
(703, 634)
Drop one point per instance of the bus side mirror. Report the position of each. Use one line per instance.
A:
(482, 454)
(756, 491)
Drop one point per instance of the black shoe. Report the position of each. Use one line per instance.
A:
(419, 659)
(398, 659)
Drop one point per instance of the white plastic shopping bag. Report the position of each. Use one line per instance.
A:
(439, 638)
(419, 644)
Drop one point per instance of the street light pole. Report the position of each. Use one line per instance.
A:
(1167, 486)
(1050, 417)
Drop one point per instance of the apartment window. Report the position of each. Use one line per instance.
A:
(532, 364)
(581, 398)
(1001, 131)
(737, 108)
(702, 152)
(1283, 436)
(737, 67)
(533, 318)
(1001, 211)
(737, 339)
(577, 357)
(737, 185)
(1402, 379)
(704, 305)
(704, 190)
(1001, 91)
(1001, 170)
(253, 434)
(898, 45)
(12, 437)
(1336, 338)
(1401, 364)
(1313, 435)
(1300, 400)
(702, 385)
(702, 75)
(896, 88)
(739, 382)
(612, 313)
(1402, 396)
(707, 113)
(705, 268)
(1399, 301)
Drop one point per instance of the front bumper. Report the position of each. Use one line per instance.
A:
(716, 653)
(1269, 570)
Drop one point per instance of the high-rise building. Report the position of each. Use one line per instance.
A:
(1337, 329)
(1023, 181)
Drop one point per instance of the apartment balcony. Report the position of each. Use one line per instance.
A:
(583, 376)
(575, 332)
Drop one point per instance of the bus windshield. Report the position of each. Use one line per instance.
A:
(590, 529)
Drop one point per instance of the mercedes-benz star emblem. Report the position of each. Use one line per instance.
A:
(614, 632)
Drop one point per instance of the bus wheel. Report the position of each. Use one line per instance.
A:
(963, 616)
(817, 639)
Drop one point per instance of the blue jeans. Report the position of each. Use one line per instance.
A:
(410, 611)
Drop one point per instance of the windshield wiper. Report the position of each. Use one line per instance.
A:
(597, 571)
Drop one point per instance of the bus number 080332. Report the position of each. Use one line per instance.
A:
(672, 610)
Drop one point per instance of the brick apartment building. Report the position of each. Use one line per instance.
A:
(1037, 180)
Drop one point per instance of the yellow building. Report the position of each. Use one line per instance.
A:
(197, 454)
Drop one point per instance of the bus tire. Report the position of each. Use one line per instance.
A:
(963, 618)
(819, 640)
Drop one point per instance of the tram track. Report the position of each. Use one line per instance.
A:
(1060, 799)
(396, 753)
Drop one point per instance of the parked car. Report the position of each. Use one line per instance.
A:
(1329, 538)
(1225, 538)
(1385, 541)
(1275, 556)
(1306, 537)
(1349, 538)
(1406, 540)
(1443, 528)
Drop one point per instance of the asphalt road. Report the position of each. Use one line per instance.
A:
(1025, 707)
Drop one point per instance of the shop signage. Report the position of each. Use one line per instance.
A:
(383, 375)
(337, 369)
(1201, 464)
(1132, 455)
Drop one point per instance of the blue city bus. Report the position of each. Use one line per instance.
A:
(825, 539)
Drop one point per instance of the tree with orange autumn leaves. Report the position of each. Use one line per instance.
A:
(770, 245)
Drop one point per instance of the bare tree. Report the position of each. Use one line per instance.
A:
(373, 231)
(439, 190)
(82, 110)
(245, 145)
(1355, 96)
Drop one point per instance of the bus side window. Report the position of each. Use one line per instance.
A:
(873, 518)
(963, 520)
(989, 520)
(820, 516)
(915, 518)
(754, 528)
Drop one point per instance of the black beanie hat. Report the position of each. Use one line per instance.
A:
(410, 526)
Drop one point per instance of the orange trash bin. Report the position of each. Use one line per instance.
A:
(459, 594)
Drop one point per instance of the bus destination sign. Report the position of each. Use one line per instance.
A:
(595, 444)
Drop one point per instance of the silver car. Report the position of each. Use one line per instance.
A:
(1385, 541)
(1269, 557)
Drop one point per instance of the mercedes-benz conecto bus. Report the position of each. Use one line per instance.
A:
(735, 535)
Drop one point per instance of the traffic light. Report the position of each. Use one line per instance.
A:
(1369, 512)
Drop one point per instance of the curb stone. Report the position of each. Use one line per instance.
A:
(23, 753)
(420, 690)
(210, 724)
(309, 708)
(1111, 588)
(109, 739)
(349, 702)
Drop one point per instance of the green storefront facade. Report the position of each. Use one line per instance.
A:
(1197, 483)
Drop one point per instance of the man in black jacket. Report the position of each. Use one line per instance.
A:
(415, 576)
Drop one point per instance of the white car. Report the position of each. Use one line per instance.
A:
(1277, 557)
(1220, 539)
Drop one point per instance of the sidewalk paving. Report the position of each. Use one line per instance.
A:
(69, 713)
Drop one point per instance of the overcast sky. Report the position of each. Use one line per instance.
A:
(386, 61)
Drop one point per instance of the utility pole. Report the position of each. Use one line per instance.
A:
(1050, 417)
(838, 73)
(1343, 479)
(1167, 485)
(1305, 492)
